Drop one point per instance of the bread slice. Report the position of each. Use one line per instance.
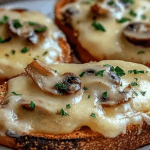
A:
(49, 45)
(95, 45)
(136, 135)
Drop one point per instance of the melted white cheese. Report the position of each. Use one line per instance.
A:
(14, 64)
(111, 43)
(46, 118)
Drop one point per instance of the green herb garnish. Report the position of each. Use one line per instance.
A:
(16, 94)
(101, 72)
(55, 71)
(32, 23)
(135, 93)
(119, 71)
(105, 95)
(84, 88)
(17, 24)
(123, 20)
(89, 96)
(143, 17)
(13, 52)
(134, 84)
(143, 93)
(41, 29)
(68, 106)
(132, 13)
(93, 115)
(63, 113)
(141, 52)
(98, 26)
(32, 105)
(4, 20)
(82, 74)
(127, 1)
(111, 2)
(61, 86)
(24, 50)
(46, 52)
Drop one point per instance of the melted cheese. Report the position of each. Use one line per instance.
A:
(46, 118)
(14, 64)
(111, 43)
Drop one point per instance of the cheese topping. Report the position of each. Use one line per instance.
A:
(18, 51)
(100, 26)
(113, 95)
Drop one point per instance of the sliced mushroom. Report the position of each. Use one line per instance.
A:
(51, 82)
(138, 33)
(99, 11)
(27, 31)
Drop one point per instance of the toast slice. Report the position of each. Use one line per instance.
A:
(27, 36)
(110, 135)
(95, 32)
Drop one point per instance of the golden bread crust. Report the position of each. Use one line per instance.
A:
(136, 136)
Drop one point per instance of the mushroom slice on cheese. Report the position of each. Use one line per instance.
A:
(138, 33)
(27, 30)
(51, 82)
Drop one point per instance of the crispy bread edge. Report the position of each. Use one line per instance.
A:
(136, 136)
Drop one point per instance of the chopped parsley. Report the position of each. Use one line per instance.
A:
(135, 71)
(82, 74)
(101, 72)
(127, 1)
(4, 40)
(34, 58)
(98, 26)
(89, 96)
(105, 95)
(132, 13)
(61, 86)
(32, 23)
(121, 84)
(134, 84)
(32, 105)
(136, 79)
(111, 2)
(143, 17)
(111, 67)
(84, 88)
(13, 52)
(130, 71)
(4, 20)
(16, 93)
(135, 93)
(55, 71)
(63, 113)
(123, 20)
(68, 106)
(93, 115)
(17, 24)
(24, 50)
(119, 71)
(41, 29)
(141, 52)
(46, 52)
(143, 93)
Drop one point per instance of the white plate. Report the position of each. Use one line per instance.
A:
(46, 7)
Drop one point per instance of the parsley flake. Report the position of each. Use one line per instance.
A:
(105, 94)
(123, 20)
(111, 2)
(68, 106)
(82, 74)
(119, 71)
(46, 52)
(16, 93)
(121, 84)
(63, 113)
(98, 26)
(135, 93)
(93, 115)
(4, 20)
(17, 24)
(24, 50)
(127, 1)
(61, 86)
(32, 105)
(89, 96)
(132, 13)
(40, 29)
(143, 93)
(111, 67)
(101, 72)
(13, 52)
(84, 88)
(143, 17)
(141, 52)
(4, 40)
(55, 71)
(32, 23)
(134, 84)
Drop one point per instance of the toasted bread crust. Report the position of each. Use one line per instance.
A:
(136, 136)
(66, 56)
(72, 35)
